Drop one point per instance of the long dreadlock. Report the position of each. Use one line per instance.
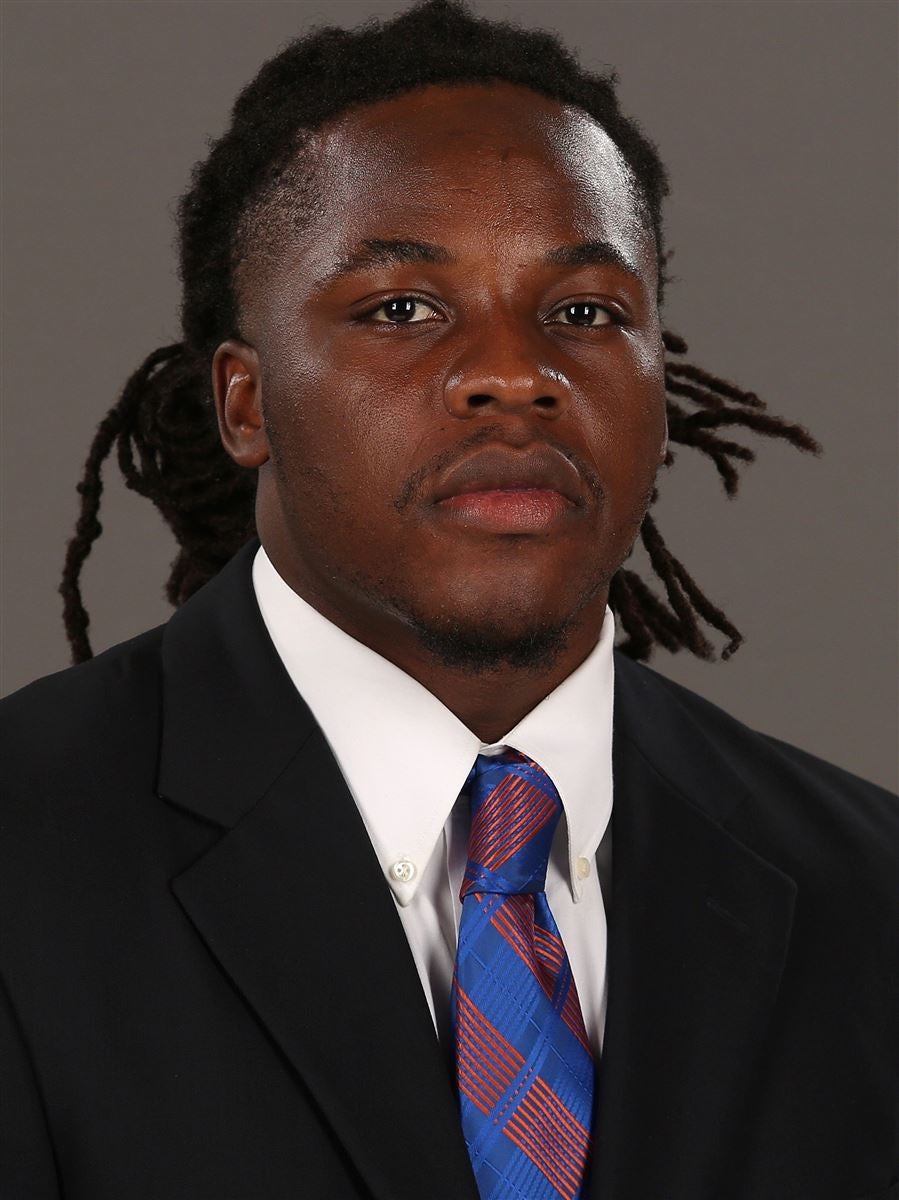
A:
(253, 181)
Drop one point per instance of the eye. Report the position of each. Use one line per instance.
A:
(404, 310)
(582, 313)
(400, 310)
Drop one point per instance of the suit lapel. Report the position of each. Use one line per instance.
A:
(291, 902)
(698, 934)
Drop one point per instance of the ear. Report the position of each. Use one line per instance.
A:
(237, 388)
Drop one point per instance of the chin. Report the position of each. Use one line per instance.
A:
(490, 642)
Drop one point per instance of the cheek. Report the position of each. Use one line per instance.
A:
(627, 422)
(375, 413)
(627, 432)
(339, 445)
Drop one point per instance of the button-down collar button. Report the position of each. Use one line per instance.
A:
(582, 868)
(403, 870)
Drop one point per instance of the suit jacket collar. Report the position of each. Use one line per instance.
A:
(698, 931)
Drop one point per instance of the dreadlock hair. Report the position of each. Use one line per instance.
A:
(254, 179)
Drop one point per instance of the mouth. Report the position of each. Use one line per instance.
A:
(501, 490)
(508, 510)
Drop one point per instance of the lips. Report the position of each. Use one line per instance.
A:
(495, 469)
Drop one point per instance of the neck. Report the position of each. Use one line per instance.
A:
(493, 688)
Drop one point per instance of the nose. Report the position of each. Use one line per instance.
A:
(502, 371)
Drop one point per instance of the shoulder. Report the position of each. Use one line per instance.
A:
(73, 719)
(752, 753)
(794, 807)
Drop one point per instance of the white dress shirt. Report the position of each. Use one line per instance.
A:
(405, 758)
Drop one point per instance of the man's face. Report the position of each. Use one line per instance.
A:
(367, 413)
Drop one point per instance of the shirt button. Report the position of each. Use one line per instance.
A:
(582, 868)
(403, 870)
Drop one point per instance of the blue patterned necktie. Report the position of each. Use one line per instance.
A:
(524, 1069)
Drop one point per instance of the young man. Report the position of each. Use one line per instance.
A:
(379, 870)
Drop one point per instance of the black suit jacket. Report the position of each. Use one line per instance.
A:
(207, 993)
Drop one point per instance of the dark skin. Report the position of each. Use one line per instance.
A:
(352, 414)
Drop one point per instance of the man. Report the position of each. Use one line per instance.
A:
(422, 288)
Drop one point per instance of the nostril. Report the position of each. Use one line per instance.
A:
(479, 399)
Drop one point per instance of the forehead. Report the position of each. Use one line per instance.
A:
(492, 160)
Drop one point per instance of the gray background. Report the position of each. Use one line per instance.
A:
(777, 123)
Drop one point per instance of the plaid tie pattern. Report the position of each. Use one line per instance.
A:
(524, 1068)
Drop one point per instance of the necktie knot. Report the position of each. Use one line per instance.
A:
(515, 809)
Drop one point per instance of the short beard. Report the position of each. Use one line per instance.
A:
(482, 650)
(485, 647)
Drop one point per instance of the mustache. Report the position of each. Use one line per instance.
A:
(493, 434)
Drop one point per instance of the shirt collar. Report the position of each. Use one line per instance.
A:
(405, 756)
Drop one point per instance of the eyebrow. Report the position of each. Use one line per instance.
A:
(377, 252)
